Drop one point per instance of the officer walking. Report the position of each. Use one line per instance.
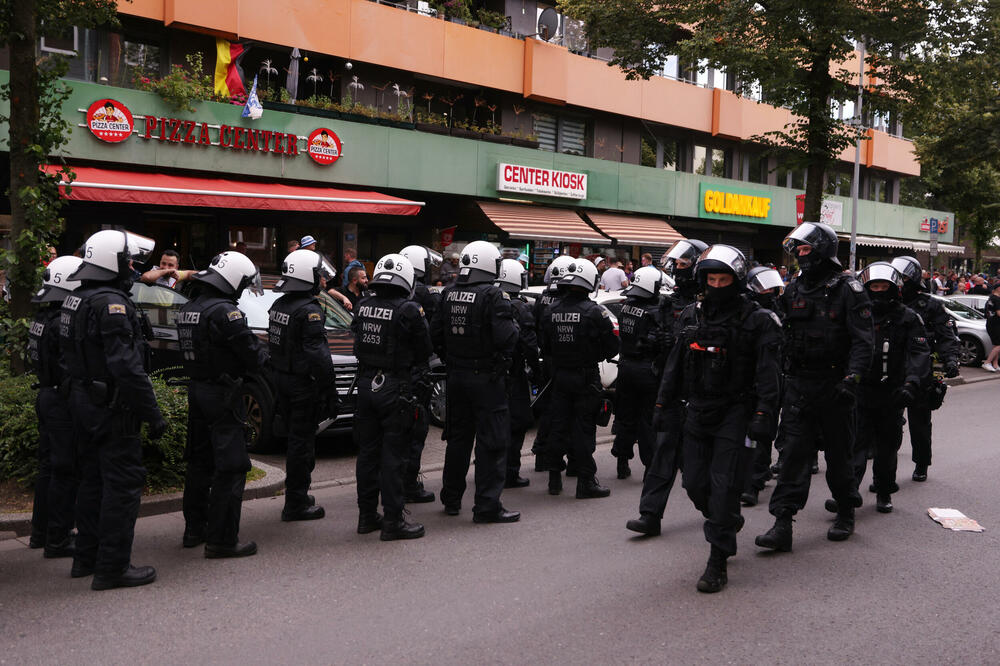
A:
(52, 516)
(103, 351)
(390, 338)
(576, 336)
(643, 336)
(219, 350)
(513, 279)
(423, 260)
(828, 347)
(475, 334)
(901, 362)
(303, 372)
(678, 262)
(726, 365)
(943, 340)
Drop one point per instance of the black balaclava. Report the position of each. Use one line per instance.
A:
(721, 298)
(684, 281)
(911, 288)
(882, 301)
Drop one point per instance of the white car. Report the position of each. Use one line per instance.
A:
(974, 341)
(974, 301)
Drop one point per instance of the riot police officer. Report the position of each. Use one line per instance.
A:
(219, 351)
(901, 362)
(423, 260)
(943, 340)
(678, 262)
(764, 285)
(390, 337)
(475, 334)
(303, 372)
(726, 365)
(576, 337)
(52, 516)
(828, 347)
(104, 355)
(642, 333)
(513, 279)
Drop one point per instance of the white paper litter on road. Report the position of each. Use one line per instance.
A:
(954, 520)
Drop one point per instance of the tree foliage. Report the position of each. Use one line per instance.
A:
(800, 52)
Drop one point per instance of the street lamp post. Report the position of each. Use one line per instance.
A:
(857, 160)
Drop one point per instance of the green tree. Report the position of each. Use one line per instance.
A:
(798, 50)
(37, 130)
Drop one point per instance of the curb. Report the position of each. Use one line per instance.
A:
(19, 524)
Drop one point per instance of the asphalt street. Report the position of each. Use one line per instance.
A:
(568, 584)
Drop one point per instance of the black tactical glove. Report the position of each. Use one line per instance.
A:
(951, 369)
(905, 395)
(157, 428)
(659, 419)
(761, 427)
(846, 390)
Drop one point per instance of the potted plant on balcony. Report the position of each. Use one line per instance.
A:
(519, 138)
(319, 105)
(282, 103)
(435, 123)
(465, 130)
(492, 133)
(458, 11)
(491, 21)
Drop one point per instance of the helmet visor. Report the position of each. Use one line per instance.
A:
(434, 258)
(908, 267)
(880, 271)
(763, 281)
(256, 287)
(807, 233)
(729, 256)
(138, 248)
(325, 269)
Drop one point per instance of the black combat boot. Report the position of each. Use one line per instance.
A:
(304, 513)
(778, 537)
(883, 504)
(220, 551)
(193, 538)
(64, 548)
(715, 577)
(516, 481)
(369, 522)
(623, 469)
(830, 505)
(920, 473)
(555, 482)
(131, 577)
(590, 488)
(646, 523)
(415, 493)
(393, 530)
(749, 498)
(843, 526)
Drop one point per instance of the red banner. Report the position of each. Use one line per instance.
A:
(800, 208)
(447, 236)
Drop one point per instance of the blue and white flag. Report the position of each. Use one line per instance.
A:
(253, 108)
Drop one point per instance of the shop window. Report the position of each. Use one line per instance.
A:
(130, 58)
(561, 134)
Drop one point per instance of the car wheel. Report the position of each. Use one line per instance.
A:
(970, 351)
(260, 417)
(437, 402)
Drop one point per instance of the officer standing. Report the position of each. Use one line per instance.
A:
(390, 338)
(513, 279)
(902, 361)
(475, 334)
(726, 365)
(943, 339)
(423, 260)
(103, 351)
(576, 337)
(828, 347)
(642, 333)
(303, 372)
(678, 262)
(52, 516)
(219, 350)
(765, 287)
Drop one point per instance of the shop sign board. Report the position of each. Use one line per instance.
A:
(831, 212)
(541, 181)
(110, 120)
(930, 223)
(733, 203)
(324, 146)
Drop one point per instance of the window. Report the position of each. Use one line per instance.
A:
(66, 44)
(754, 169)
(838, 183)
(561, 134)
(712, 161)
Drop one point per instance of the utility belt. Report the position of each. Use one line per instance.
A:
(101, 393)
(476, 365)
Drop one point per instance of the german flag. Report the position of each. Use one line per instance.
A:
(228, 74)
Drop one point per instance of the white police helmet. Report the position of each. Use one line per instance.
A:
(646, 282)
(106, 255)
(513, 278)
(722, 259)
(763, 279)
(302, 270)
(557, 268)
(686, 250)
(56, 283)
(581, 273)
(882, 271)
(422, 258)
(909, 268)
(393, 270)
(231, 272)
(480, 262)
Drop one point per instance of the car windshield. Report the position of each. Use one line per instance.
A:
(256, 309)
(961, 310)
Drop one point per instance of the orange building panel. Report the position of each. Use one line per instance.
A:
(150, 9)
(482, 58)
(545, 71)
(592, 84)
(218, 17)
(675, 103)
(317, 26)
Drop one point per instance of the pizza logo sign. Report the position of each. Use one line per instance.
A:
(324, 146)
(109, 120)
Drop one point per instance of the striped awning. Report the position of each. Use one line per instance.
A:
(942, 248)
(635, 230)
(540, 223)
(878, 241)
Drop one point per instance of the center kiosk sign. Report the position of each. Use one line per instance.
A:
(541, 181)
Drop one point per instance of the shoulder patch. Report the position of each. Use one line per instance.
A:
(866, 313)
(116, 308)
(604, 313)
(505, 295)
(233, 315)
(315, 316)
(855, 285)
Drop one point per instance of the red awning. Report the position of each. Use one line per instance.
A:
(94, 184)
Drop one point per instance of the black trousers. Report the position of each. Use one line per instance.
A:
(716, 460)
(662, 470)
(810, 417)
(760, 467)
(636, 388)
(111, 482)
(880, 432)
(418, 438)
(477, 415)
(301, 408)
(217, 462)
(383, 425)
(521, 419)
(919, 417)
(53, 513)
(576, 399)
